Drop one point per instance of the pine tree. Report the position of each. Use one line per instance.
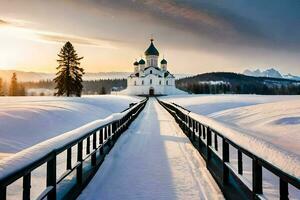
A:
(1, 88)
(21, 90)
(103, 91)
(13, 88)
(69, 77)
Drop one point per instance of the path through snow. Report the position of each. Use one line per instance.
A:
(153, 160)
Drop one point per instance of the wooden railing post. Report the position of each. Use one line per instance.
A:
(94, 155)
(101, 141)
(240, 162)
(105, 133)
(186, 123)
(108, 133)
(190, 126)
(2, 192)
(194, 130)
(117, 129)
(208, 145)
(26, 186)
(200, 133)
(283, 190)
(114, 130)
(88, 145)
(256, 177)
(216, 141)
(69, 158)
(225, 156)
(79, 159)
(51, 177)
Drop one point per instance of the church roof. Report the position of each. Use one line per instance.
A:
(167, 73)
(151, 50)
(135, 63)
(142, 62)
(152, 67)
(163, 61)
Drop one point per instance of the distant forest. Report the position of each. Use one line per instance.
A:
(232, 83)
(89, 87)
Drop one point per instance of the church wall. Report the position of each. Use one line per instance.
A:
(140, 89)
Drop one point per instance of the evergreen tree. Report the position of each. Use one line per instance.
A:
(1, 88)
(69, 77)
(21, 90)
(13, 88)
(103, 91)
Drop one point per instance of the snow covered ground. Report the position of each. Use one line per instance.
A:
(274, 121)
(153, 160)
(26, 121)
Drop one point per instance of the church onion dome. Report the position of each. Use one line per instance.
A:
(135, 63)
(151, 51)
(142, 62)
(163, 62)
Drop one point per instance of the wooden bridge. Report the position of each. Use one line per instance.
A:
(158, 157)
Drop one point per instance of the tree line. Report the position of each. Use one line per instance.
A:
(105, 86)
(14, 88)
(232, 83)
(221, 88)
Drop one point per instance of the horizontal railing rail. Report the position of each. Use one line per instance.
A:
(216, 153)
(95, 144)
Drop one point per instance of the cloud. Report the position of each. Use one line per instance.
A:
(21, 26)
(198, 17)
(3, 22)
(62, 38)
(225, 22)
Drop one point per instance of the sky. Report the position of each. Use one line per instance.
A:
(195, 36)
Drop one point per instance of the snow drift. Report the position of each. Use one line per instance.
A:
(25, 121)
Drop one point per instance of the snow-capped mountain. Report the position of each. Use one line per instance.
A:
(272, 73)
(290, 76)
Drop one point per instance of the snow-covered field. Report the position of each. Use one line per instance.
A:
(156, 146)
(273, 121)
(26, 121)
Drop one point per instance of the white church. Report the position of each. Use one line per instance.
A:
(149, 78)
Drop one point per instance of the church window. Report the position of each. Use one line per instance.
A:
(150, 81)
(150, 71)
(167, 83)
(134, 82)
(142, 82)
(159, 82)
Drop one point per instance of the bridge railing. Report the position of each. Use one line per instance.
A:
(232, 183)
(91, 149)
